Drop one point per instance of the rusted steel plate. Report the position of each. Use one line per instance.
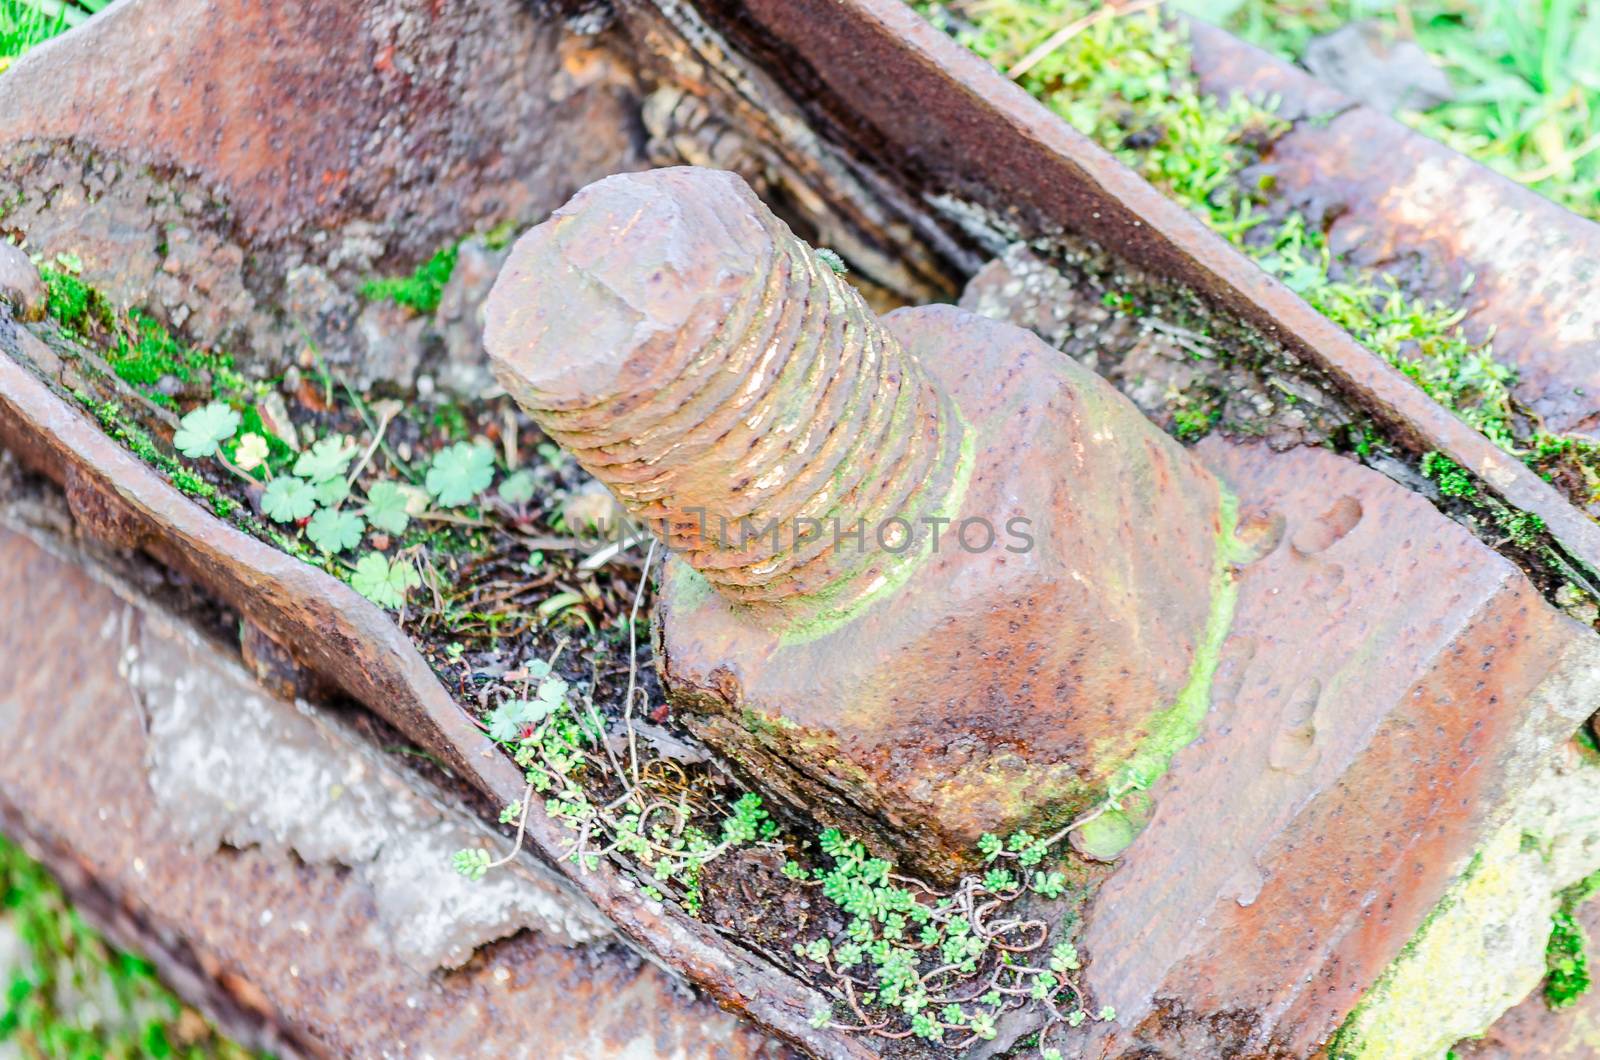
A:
(1394, 199)
(905, 99)
(336, 632)
(1388, 688)
(318, 114)
(293, 950)
(238, 169)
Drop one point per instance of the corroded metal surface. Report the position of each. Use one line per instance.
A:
(294, 952)
(1036, 567)
(917, 116)
(1522, 267)
(344, 636)
(1389, 687)
(720, 378)
(237, 168)
(441, 112)
(910, 103)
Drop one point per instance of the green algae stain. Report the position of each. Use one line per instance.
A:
(1171, 730)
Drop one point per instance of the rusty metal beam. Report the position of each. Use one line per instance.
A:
(118, 498)
(1394, 199)
(290, 941)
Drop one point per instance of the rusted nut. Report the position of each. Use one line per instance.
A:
(929, 578)
(20, 286)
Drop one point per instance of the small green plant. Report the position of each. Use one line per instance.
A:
(517, 488)
(1449, 476)
(201, 431)
(389, 506)
(384, 581)
(328, 458)
(333, 530)
(472, 863)
(288, 500)
(920, 952)
(420, 291)
(459, 473)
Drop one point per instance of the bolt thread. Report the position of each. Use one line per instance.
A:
(781, 402)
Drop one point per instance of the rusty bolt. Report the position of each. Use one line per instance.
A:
(725, 383)
(929, 578)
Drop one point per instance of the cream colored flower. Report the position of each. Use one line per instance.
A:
(252, 452)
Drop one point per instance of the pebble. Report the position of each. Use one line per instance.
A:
(20, 284)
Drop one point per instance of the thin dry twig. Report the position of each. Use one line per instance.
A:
(1061, 36)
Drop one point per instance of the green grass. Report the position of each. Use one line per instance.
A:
(25, 24)
(1526, 73)
(134, 1015)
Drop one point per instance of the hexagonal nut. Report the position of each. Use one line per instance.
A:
(1022, 662)
(20, 285)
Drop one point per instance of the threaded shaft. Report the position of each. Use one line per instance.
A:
(711, 370)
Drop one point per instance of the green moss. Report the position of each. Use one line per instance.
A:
(420, 291)
(1567, 974)
(75, 305)
(1566, 961)
(146, 353)
(1449, 476)
(1193, 422)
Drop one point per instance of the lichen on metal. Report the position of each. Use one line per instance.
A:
(1483, 948)
(233, 766)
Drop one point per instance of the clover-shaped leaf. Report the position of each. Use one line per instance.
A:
(200, 431)
(332, 491)
(505, 721)
(517, 487)
(460, 473)
(388, 507)
(383, 582)
(288, 499)
(335, 531)
(552, 692)
(327, 458)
